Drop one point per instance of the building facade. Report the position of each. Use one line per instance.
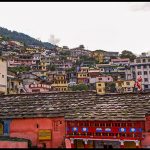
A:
(60, 82)
(100, 88)
(141, 68)
(3, 76)
(80, 119)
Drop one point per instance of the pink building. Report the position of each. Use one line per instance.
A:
(37, 88)
(103, 78)
(18, 62)
(120, 61)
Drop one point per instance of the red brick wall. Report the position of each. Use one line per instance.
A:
(27, 128)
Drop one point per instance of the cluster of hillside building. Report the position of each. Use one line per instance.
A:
(57, 70)
(56, 116)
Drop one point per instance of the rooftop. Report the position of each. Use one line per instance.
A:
(76, 106)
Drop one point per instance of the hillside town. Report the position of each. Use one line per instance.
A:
(73, 98)
(33, 69)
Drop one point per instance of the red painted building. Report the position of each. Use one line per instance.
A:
(102, 134)
(80, 119)
(53, 128)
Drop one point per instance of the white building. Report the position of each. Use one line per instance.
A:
(120, 61)
(3, 76)
(141, 67)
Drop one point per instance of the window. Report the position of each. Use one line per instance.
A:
(2, 76)
(146, 86)
(36, 90)
(119, 84)
(149, 60)
(100, 90)
(146, 79)
(129, 89)
(139, 73)
(138, 67)
(99, 84)
(138, 61)
(128, 83)
(100, 78)
(123, 124)
(96, 124)
(98, 134)
(144, 60)
(145, 72)
(144, 66)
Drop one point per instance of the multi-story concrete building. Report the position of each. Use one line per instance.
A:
(60, 82)
(3, 76)
(104, 56)
(125, 86)
(14, 84)
(119, 61)
(141, 67)
(75, 52)
(117, 72)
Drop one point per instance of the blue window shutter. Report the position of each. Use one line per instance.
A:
(6, 127)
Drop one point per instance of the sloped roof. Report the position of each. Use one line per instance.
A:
(76, 106)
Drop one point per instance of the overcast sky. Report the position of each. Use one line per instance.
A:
(112, 26)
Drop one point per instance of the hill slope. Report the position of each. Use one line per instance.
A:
(21, 37)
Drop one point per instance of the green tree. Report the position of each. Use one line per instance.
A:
(73, 69)
(128, 54)
(110, 87)
(65, 53)
(80, 87)
(52, 67)
(19, 69)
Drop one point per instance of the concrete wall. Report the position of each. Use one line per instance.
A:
(29, 129)
(13, 144)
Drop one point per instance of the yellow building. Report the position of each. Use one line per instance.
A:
(82, 77)
(84, 69)
(126, 86)
(31, 50)
(100, 88)
(98, 55)
(3, 76)
(43, 66)
(60, 82)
